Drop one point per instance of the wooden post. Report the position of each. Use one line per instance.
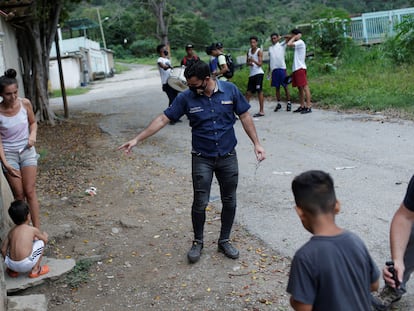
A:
(62, 81)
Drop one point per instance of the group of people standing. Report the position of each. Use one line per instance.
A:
(277, 71)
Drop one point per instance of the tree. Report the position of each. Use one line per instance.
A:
(200, 34)
(162, 12)
(255, 26)
(36, 28)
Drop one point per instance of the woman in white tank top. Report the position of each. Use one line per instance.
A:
(18, 130)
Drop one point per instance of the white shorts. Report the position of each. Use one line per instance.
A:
(26, 265)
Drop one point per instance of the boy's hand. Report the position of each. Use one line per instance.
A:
(46, 236)
(389, 277)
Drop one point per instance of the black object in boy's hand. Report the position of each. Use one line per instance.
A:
(390, 265)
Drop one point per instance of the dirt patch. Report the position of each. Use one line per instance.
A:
(135, 233)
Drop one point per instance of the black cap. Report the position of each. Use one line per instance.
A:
(219, 45)
(188, 46)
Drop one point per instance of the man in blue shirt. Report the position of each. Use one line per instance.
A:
(211, 107)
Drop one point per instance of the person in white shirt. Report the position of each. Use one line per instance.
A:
(277, 69)
(165, 67)
(299, 79)
(254, 60)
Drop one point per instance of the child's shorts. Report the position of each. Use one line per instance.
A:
(18, 160)
(28, 263)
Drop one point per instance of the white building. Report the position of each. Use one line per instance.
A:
(82, 61)
(9, 54)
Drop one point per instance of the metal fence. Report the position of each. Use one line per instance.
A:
(371, 28)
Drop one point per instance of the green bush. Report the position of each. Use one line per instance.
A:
(328, 36)
(141, 48)
(400, 47)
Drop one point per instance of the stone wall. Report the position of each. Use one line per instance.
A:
(6, 197)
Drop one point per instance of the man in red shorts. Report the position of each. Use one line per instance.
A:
(299, 70)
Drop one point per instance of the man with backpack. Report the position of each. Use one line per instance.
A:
(224, 62)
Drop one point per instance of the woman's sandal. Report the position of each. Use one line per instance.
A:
(11, 273)
(42, 270)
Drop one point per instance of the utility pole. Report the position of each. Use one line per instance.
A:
(100, 26)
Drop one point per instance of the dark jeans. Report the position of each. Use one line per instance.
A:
(227, 173)
(171, 93)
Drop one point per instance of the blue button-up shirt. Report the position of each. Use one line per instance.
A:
(211, 118)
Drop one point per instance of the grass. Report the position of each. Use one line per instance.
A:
(120, 67)
(70, 92)
(370, 85)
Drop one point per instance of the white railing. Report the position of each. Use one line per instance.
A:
(370, 28)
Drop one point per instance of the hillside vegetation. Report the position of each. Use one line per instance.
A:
(341, 75)
(131, 27)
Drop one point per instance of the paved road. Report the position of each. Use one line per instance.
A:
(369, 157)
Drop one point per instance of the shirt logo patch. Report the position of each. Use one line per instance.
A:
(227, 102)
(196, 109)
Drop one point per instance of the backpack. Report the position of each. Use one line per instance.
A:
(230, 65)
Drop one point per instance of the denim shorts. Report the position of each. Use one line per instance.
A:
(18, 160)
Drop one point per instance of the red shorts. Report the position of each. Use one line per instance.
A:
(299, 78)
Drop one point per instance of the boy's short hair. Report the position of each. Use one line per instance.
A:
(160, 47)
(254, 38)
(314, 192)
(18, 211)
(197, 69)
(295, 31)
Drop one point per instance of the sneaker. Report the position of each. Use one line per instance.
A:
(289, 106)
(299, 109)
(306, 110)
(388, 296)
(194, 253)
(227, 249)
(278, 106)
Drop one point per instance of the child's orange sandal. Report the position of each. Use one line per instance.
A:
(43, 270)
(11, 273)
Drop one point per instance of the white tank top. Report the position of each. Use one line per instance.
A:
(254, 70)
(14, 130)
